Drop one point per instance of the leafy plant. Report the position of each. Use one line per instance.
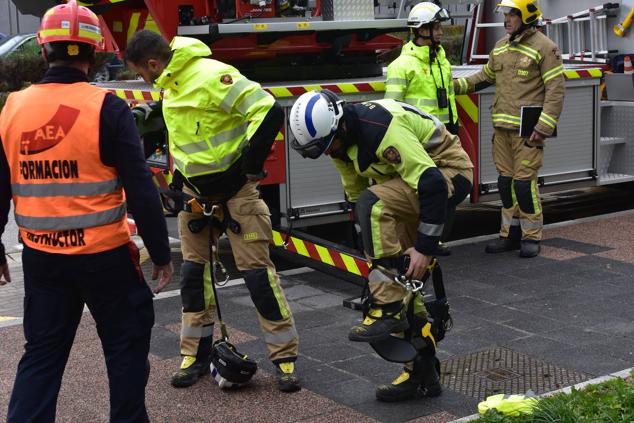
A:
(20, 69)
(611, 401)
(3, 99)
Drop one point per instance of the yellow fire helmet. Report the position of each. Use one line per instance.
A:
(528, 9)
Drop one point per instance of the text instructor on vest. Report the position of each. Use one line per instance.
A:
(527, 70)
(68, 151)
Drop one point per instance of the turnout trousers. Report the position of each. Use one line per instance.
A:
(389, 215)
(250, 248)
(517, 161)
(56, 287)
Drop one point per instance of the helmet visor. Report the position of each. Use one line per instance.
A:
(442, 15)
(315, 148)
(506, 10)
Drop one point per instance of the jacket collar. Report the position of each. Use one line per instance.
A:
(63, 75)
(185, 51)
(422, 52)
(524, 35)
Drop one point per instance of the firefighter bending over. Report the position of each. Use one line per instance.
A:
(66, 165)
(221, 128)
(403, 213)
(421, 76)
(527, 69)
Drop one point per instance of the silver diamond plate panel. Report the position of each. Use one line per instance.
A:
(504, 371)
(352, 10)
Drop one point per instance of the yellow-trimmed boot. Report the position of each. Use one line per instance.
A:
(190, 371)
(379, 324)
(287, 379)
(421, 382)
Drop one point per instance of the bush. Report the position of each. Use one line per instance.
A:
(451, 41)
(20, 69)
(609, 401)
(3, 99)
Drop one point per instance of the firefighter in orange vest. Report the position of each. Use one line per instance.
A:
(66, 167)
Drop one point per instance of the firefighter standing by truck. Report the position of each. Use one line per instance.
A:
(421, 76)
(66, 164)
(527, 69)
(395, 145)
(221, 128)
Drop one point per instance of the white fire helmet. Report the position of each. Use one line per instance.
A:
(314, 120)
(425, 13)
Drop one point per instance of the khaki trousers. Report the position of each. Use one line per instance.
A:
(517, 161)
(250, 250)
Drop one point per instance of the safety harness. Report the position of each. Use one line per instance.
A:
(229, 368)
(402, 350)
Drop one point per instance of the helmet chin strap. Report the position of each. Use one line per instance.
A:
(429, 37)
(519, 31)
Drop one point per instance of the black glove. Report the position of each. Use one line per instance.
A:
(149, 117)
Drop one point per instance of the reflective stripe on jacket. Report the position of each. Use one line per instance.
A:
(527, 72)
(210, 109)
(66, 200)
(413, 79)
(398, 151)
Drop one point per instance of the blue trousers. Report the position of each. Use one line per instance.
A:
(56, 288)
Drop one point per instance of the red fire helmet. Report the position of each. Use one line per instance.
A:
(70, 22)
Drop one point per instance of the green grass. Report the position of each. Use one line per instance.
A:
(606, 402)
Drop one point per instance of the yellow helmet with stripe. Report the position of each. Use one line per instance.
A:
(528, 9)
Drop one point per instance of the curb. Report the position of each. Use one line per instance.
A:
(616, 375)
(480, 238)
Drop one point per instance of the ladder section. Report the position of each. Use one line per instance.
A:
(583, 36)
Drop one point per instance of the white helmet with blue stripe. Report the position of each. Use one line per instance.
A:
(314, 120)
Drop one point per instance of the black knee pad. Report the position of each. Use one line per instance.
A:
(461, 188)
(506, 193)
(524, 195)
(365, 202)
(257, 281)
(192, 285)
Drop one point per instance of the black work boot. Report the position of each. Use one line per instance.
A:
(501, 245)
(191, 370)
(529, 248)
(287, 379)
(378, 327)
(421, 382)
(442, 250)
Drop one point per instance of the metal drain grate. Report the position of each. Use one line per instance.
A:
(501, 370)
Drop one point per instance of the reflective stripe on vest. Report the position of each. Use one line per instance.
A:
(66, 200)
(65, 190)
(71, 222)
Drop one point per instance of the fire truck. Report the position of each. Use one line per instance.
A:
(294, 46)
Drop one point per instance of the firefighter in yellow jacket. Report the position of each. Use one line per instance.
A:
(421, 76)
(418, 167)
(527, 69)
(221, 128)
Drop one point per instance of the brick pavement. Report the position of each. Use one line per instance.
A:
(543, 323)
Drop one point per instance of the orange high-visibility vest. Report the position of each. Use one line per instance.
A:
(66, 200)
